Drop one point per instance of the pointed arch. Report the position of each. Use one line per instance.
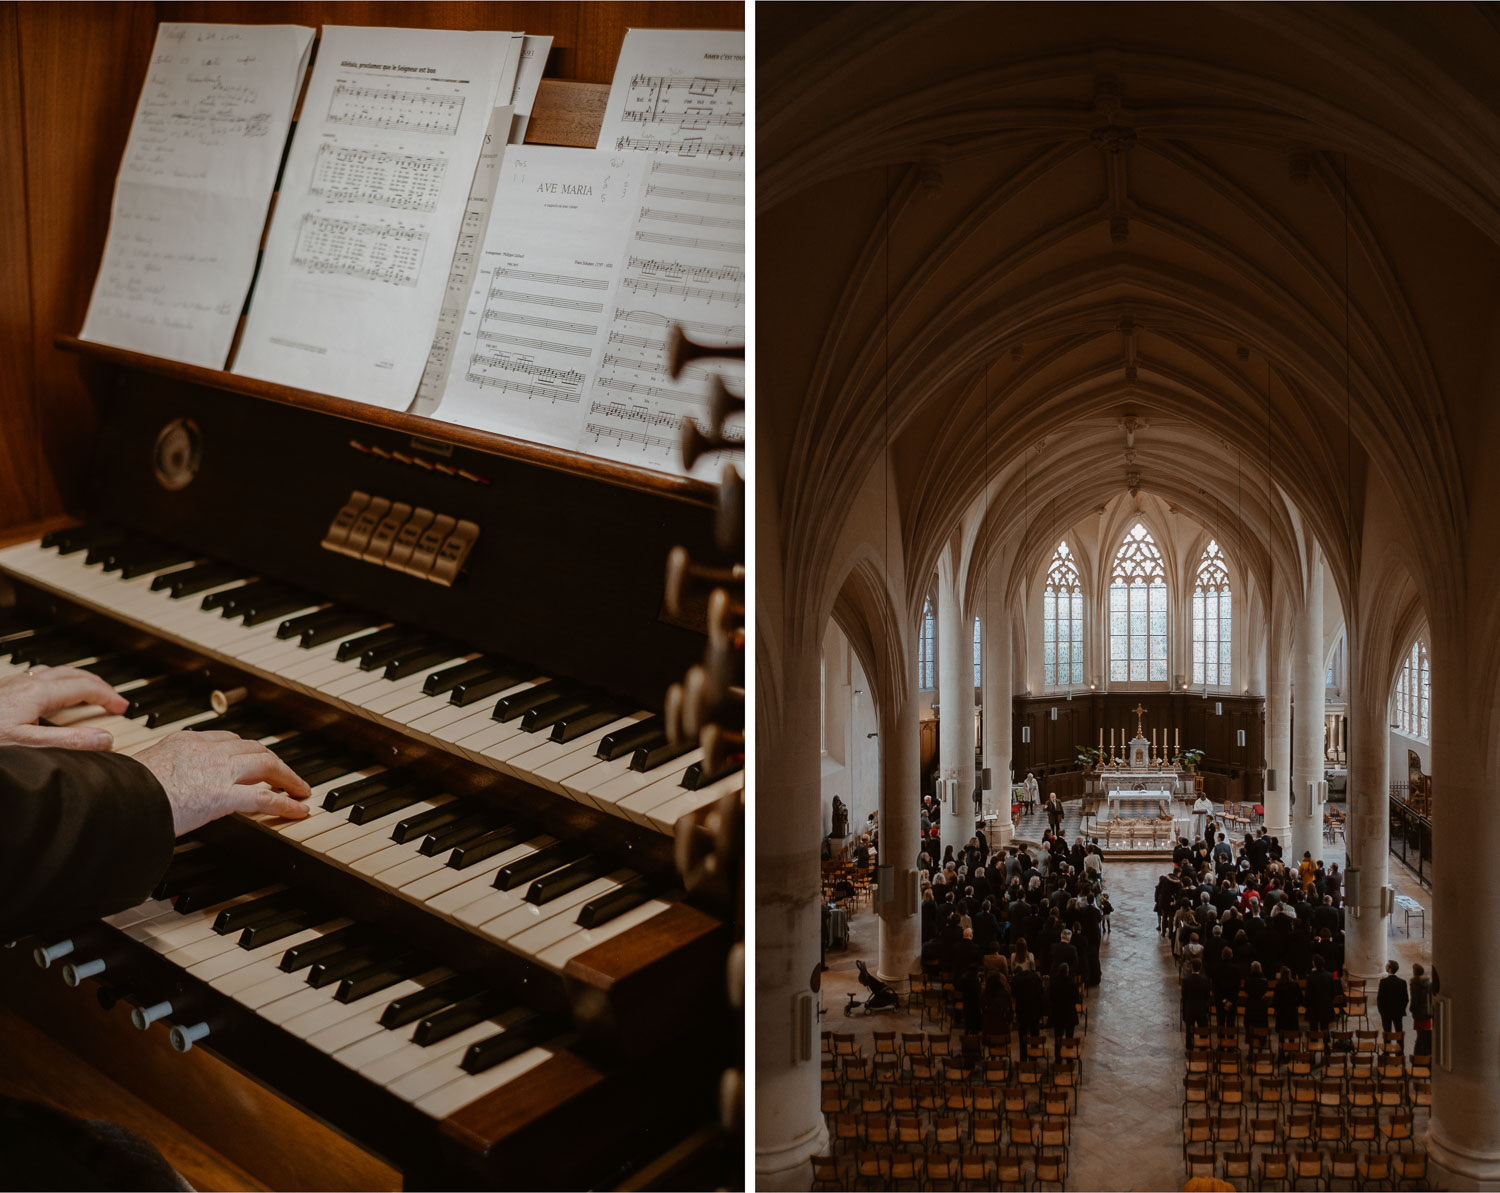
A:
(1213, 619)
(1062, 621)
(1138, 610)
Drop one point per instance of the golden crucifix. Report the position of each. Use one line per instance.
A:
(1138, 710)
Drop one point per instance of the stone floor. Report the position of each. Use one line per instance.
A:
(1126, 1132)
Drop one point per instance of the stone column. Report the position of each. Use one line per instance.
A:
(1367, 826)
(1307, 746)
(900, 830)
(955, 671)
(1464, 1139)
(1279, 747)
(998, 688)
(786, 803)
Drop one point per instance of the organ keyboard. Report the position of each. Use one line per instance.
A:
(479, 927)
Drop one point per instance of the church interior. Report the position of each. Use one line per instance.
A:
(1131, 384)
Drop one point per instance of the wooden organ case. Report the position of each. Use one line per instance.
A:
(629, 1001)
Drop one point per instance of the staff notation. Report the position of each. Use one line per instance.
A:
(388, 107)
(556, 279)
(583, 329)
(546, 300)
(698, 84)
(545, 374)
(641, 366)
(499, 337)
(684, 116)
(688, 217)
(708, 173)
(506, 385)
(678, 271)
(626, 435)
(637, 414)
(707, 293)
(724, 331)
(691, 242)
(681, 146)
(676, 192)
(638, 387)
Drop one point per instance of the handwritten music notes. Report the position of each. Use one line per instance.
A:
(535, 327)
(371, 207)
(678, 101)
(193, 188)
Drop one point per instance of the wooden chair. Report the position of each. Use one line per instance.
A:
(922, 1068)
(1411, 1169)
(1307, 1166)
(939, 1044)
(1009, 1173)
(908, 1132)
(1066, 1078)
(1018, 1128)
(1050, 1168)
(986, 1099)
(1197, 1129)
(942, 1170)
(1263, 1130)
(1299, 1129)
(906, 1168)
(1366, 1041)
(974, 1172)
(875, 1130)
(1329, 1131)
(986, 1131)
(1343, 1166)
(929, 1098)
(1201, 1165)
(995, 1071)
(1015, 1099)
(1275, 1169)
(1304, 1092)
(1232, 1096)
(1237, 1167)
(873, 1168)
(945, 1134)
(1049, 1134)
(1363, 1127)
(1330, 1095)
(1397, 1130)
(1070, 1048)
(914, 1043)
(903, 1099)
(1420, 1068)
(1375, 1169)
(826, 1175)
(1194, 1093)
(844, 1131)
(844, 1044)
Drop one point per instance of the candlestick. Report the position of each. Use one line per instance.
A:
(1178, 742)
(1153, 739)
(1101, 737)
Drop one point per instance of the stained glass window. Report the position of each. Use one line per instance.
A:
(1212, 619)
(1414, 692)
(1138, 611)
(927, 649)
(1062, 622)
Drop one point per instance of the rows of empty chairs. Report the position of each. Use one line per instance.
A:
(948, 1110)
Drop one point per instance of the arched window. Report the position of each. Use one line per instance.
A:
(1414, 692)
(1138, 611)
(1062, 622)
(1211, 620)
(927, 649)
(978, 666)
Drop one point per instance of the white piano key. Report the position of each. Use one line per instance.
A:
(397, 1064)
(298, 1002)
(274, 988)
(457, 1094)
(559, 929)
(309, 1023)
(640, 804)
(431, 723)
(222, 966)
(609, 796)
(435, 882)
(392, 693)
(378, 836)
(456, 901)
(547, 754)
(558, 955)
(397, 865)
(150, 909)
(204, 950)
(439, 1071)
(512, 923)
(664, 817)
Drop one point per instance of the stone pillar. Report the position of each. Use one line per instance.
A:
(1307, 746)
(955, 669)
(1279, 747)
(1464, 1139)
(1367, 826)
(998, 688)
(900, 830)
(786, 804)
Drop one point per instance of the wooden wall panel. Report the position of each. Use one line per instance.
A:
(81, 68)
(18, 430)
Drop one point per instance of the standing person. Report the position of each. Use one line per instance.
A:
(1062, 1007)
(1029, 999)
(1391, 1000)
(1054, 812)
(1322, 989)
(1197, 995)
(1203, 808)
(1422, 990)
(1029, 792)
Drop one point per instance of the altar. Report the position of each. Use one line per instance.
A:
(1138, 783)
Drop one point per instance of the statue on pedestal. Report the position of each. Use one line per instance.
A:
(840, 819)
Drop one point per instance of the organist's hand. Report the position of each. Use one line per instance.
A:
(211, 774)
(28, 697)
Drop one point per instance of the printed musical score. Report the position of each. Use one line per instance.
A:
(377, 178)
(375, 252)
(395, 110)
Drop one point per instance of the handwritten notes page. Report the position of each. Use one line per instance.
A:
(678, 101)
(535, 328)
(370, 210)
(193, 188)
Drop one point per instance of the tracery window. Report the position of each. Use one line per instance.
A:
(977, 663)
(1062, 621)
(1212, 619)
(1414, 692)
(927, 649)
(1138, 611)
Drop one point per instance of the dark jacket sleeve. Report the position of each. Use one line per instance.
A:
(86, 834)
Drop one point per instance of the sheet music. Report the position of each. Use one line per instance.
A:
(465, 262)
(193, 188)
(678, 100)
(528, 79)
(534, 329)
(371, 207)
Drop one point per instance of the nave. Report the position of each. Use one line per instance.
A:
(1126, 1132)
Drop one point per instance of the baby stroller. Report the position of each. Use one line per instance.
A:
(882, 997)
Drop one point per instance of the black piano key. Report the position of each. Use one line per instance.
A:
(452, 1020)
(294, 626)
(19, 620)
(508, 708)
(514, 1040)
(22, 650)
(268, 932)
(471, 691)
(153, 694)
(356, 647)
(376, 657)
(422, 660)
(112, 559)
(334, 630)
(392, 801)
(176, 710)
(101, 549)
(242, 600)
(301, 955)
(76, 538)
(186, 868)
(260, 612)
(381, 975)
(436, 818)
(216, 888)
(351, 960)
(217, 600)
(650, 757)
(460, 832)
(304, 744)
(544, 716)
(534, 865)
(574, 727)
(569, 878)
(411, 1007)
(245, 720)
(628, 740)
(242, 915)
(361, 789)
(121, 668)
(191, 581)
(315, 774)
(57, 652)
(471, 853)
(601, 910)
(153, 559)
(450, 677)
